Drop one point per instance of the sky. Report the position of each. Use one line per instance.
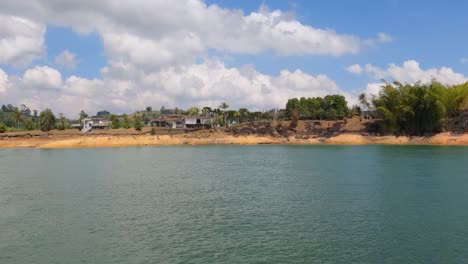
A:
(122, 56)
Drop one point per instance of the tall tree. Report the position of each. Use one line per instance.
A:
(126, 122)
(224, 106)
(207, 111)
(137, 123)
(62, 122)
(193, 111)
(47, 120)
(17, 116)
(115, 122)
(82, 115)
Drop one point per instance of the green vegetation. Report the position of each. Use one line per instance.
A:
(82, 115)
(137, 123)
(62, 122)
(47, 120)
(417, 109)
(3, 128)
(401, 109)
(115, 122)
(126, 122)
(331, 107)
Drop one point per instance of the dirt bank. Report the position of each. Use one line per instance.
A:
(212, 138)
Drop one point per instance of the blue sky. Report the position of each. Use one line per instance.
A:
(431, 32)
(151, 54)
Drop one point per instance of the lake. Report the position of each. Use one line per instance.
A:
(235, 204)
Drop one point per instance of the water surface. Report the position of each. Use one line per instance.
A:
(235, 204)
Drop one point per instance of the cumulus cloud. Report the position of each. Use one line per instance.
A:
(66, 59)
(3, 81)
(21, 40)
(205, 84)
(411, 72)
(354, 69)
(165, 33)
(42, 77)
(153, 48)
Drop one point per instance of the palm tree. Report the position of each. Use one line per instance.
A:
(224, 106)
(237, 115)
(47, 120)
(83, 115)
(17, 116)
(207, 111)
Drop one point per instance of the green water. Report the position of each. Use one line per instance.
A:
(235, 204)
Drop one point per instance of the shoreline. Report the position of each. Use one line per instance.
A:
(195, 139)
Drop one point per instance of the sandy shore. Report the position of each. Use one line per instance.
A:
(95, 141)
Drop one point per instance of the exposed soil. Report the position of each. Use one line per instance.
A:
(352, 131)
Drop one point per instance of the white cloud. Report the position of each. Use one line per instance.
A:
(3, 81)
(152, 49)
(21, 40)
(42, 77)
(373, 89)
(384, 38)
(411, 72)
(354, 69)
(203, 84)
(379, 39)
(169, 33)
(66, 59)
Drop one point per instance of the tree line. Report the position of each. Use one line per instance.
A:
(330, 107)
(21, 118)
(412, 109)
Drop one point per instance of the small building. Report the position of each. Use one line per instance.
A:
(198, 122)
(179, 121)
(88, 124)
(172, 121)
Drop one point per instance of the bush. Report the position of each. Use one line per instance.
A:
(3, 128)
(137, 123)
(115, 122)
(153, 131)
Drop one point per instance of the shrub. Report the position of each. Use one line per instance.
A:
(3, 128)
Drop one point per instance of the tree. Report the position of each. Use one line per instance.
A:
(207, 111)
(17, 116)
(25, 111)
(115, 122)
(62, 122)
(292, 106)
(137, 123)
(149, 109)
(224, 106)
(244, 114)
(3, 127)
(237, 115)
(193, 111)
(126, 122)
(82, 115)
(413, 109)
(103, 114)
(29, 124)
(47, 120)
